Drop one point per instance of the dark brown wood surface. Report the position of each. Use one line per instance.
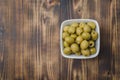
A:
(29, 40)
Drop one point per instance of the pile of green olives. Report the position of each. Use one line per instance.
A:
(79, 38)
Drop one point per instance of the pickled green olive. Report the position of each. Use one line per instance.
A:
(69, 40)
(93, 50)
(94, 35)
(78, 53)
(71, 30)
(74, 24)
(65, 34)
(74, 47)
(65, 44)
(67, 50)
(84, 44)
(73, 36)
(79, 31)
(92, 25)
(87, 28)
(86, 36)
(79, 39)
(91, 43)
(65, 29)
(82, 24)
(85, 52)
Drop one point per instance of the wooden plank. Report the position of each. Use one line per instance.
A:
(116, 38)
(8, 50)
(105, 68)
(94, 13)
(80, 11)
(18, 35)
(86, 9)
(48, 46)
(66, 64)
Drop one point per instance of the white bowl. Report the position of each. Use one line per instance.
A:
(97, 43)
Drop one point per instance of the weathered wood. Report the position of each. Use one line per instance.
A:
(29, 40)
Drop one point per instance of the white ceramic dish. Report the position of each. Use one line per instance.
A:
(68, 22)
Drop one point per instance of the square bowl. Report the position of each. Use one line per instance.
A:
(97, 42)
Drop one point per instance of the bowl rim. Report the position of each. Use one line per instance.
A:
(80, 20)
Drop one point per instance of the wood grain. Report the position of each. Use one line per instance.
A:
(29, 40)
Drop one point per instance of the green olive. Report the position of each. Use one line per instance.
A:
(85, 52)
(86, 36)
(74, 47)
(73, 36)
(79, 31)
(92, 25)
(91, 43)
(87, 28)
(65, 34)
(78, 53)
(93, 50)
(65, 44)
(79, 39)
(74, 24)
(82, 24)
(69, 40)
(67, 50)
(65, 29)
(84, 44)
(71, 30)
(94, 35)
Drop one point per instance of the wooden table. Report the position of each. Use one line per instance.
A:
(30, 45)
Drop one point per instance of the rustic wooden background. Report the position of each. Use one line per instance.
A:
(29, 40)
